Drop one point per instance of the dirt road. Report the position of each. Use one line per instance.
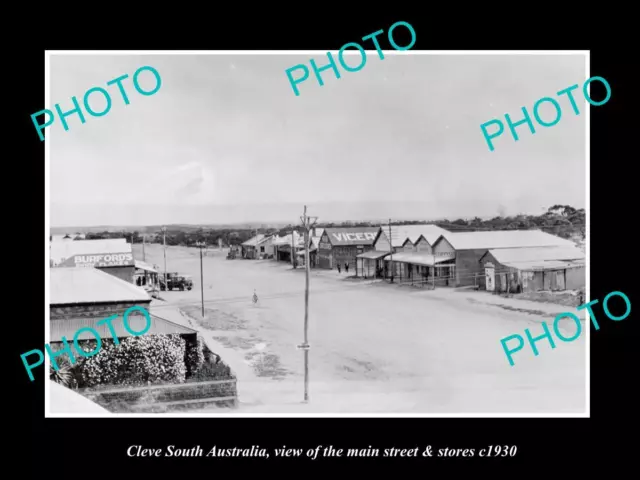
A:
(374, 347)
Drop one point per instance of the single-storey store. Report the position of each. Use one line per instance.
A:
(82, 297)
(421, 268)
(469, 247)
(343, 245)
(533, 269)
(114, 256)
(146, 276)
(282, 246)
(258, 247)
(404, 239)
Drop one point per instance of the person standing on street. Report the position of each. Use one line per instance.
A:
(346, 267)
(338, 265)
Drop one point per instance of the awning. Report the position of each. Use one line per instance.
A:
(145, 266)
(418, 258)
(545, 265)
(301, 252)
(373, 254)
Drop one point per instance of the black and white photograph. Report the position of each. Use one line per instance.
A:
(232, 236)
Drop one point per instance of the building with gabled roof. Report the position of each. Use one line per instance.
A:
(249, 249)
(534, 268)
(82, 297)
(342, 245)
(467, 248)
(114, 256)
(286, 247)
(409, 235)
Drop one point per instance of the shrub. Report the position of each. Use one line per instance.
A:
(135, 361)
(195, 356)
(212, 371)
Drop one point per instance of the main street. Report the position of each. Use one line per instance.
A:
(374, 347)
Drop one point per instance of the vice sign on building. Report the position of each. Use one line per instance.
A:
(348, 68)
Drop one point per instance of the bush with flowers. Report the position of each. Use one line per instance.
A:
(195, 356)
(135, 361)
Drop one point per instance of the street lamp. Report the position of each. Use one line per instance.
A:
(201, 245)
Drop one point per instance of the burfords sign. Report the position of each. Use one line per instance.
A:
(101, 260)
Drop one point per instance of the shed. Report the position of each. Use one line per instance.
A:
(249, 248)
(534, 269)
(469, 247)
(283, 246)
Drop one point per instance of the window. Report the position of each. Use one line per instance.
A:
(261, 249)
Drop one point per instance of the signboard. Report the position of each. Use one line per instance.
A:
(324, 246)
(100, 260)
(352, 237)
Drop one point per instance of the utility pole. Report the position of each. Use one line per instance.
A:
(200, 245)
(308, 223)
(391, 253)
(164, 244)
(144, 257)
(293, 249)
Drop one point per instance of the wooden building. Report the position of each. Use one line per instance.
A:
(405, 239)
(315, 234)
(146, 276)
(518, 270)
(114, 256)
(343, 245)
(82, 297)
(469, 247)
(249, 249)
(283, 246)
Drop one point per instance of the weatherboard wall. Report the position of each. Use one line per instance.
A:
(342, 245)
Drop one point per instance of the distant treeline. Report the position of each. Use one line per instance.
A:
(562, 220)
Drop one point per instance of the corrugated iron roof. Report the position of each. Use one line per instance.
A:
(504, 239)
(319, 231)
(137, 322)
(539, 265)
(91, 285)
(401, 233)
(60, 250)
(373, 254)
(352, 235)
(145, 266)
(420, 258)
(286, 239)
(253, 241)
(527, 254)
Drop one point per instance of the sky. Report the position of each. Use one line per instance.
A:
(226, 140)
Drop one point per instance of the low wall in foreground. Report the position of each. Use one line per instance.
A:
(164, 398)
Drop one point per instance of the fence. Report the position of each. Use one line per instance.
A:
(159, 398)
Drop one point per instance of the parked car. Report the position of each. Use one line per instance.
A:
(176, 281)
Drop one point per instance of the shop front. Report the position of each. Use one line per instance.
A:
(340, 246)
(119, 264)
(146, 277)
